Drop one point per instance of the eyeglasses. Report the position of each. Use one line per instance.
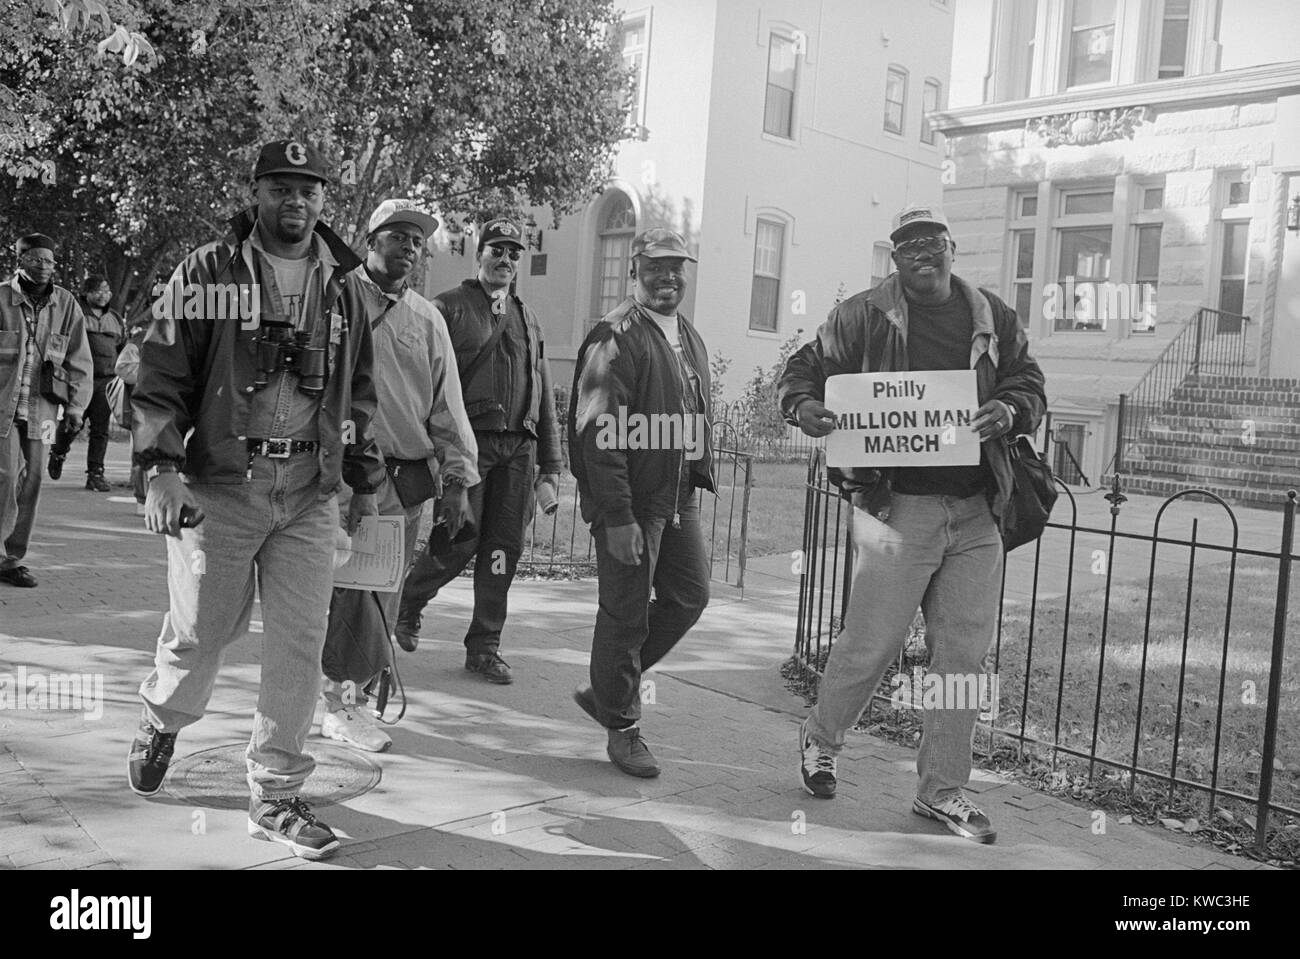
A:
(911, 249)
(37, 261)
(501, 252)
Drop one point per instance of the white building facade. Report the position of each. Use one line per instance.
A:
(779, 138)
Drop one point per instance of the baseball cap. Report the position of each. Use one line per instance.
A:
(660, 242)
(917, 214)
(290, 156)
(501, 230)
(401, 211)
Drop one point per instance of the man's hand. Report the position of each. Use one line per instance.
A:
(162, 506)
(362, 504)
(455, 510)
(553, 479)
(72, 422)
(625, 543)
(992, 419)
(814, 418)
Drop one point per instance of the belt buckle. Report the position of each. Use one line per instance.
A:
(278, 449)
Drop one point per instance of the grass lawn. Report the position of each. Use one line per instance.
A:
(1245, 677)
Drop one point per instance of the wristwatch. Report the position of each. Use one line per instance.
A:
(454, 481)
(157, 468)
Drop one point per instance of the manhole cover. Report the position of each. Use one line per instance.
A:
(217, 778)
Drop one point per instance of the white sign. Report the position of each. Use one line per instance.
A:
(921, 418)
(375, 556)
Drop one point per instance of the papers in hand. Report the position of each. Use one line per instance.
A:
(374, 555)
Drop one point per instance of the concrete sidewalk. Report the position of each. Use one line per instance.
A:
(480, 776)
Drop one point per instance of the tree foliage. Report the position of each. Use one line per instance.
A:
(130, 136)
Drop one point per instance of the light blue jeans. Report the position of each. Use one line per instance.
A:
(943, 554)
(278, 531)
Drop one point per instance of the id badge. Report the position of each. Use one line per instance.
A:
(58, 346)
(337, 326)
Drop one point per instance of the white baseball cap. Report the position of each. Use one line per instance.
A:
(917, 214)
(401, 211)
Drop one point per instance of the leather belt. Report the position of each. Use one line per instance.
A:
(280, 449)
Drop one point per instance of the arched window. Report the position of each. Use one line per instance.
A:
(615, 229)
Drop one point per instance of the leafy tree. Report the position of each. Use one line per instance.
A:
(520, 103)
(760, 411)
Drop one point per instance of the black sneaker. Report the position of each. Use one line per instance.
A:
(55, 465)
(17, 576)
(408, 636)
(96, 483)
(290, 821)
(816, 765)
(151, 754)
(492, 667)
(960, 815)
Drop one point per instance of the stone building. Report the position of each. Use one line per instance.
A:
(1129, 171)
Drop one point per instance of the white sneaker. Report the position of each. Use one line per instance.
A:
(353, 726)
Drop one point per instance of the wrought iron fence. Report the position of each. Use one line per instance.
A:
(561, 543)
(1149, 672)
(1213, 343)
(766, 439)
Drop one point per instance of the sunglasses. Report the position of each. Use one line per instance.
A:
(501, 252)
(935, 245)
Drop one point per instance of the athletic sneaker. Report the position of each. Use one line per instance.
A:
(151, 754)
(817, 765)
(960, 815)
(290, 821)
(353, 725)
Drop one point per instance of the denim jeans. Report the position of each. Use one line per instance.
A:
(633, 631)
(22, 458)
(277, 531)
(332, 688)
(943, 554)
(501, 506)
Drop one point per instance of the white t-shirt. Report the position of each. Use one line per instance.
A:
(291, 280)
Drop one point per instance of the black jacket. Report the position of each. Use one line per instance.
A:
(626, 361)
(867, 333)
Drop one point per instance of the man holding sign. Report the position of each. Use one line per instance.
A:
(927, 511)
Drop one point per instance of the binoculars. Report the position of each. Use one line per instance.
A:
(281, 349)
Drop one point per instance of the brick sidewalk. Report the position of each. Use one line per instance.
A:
(483, 776)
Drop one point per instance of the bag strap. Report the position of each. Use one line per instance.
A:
(484, 353)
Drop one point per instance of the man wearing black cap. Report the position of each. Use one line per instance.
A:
(507, 387)
(427, 442)
(42, 342)
(922, 536)
(643, 363)
(255, 385)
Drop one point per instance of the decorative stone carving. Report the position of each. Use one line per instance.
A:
(1087, 127)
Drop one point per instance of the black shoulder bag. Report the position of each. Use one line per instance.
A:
(55, 385)
(1033, 493)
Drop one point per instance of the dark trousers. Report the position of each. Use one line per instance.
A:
(98, 414)
(500, 504)
(633, 631)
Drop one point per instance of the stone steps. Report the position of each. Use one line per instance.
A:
(1233, 495)
(1238, 454)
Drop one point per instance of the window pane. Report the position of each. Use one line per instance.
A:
(1025, 254)
(1092, 41)
(1153, 198)
(929, 103)
(762, 303)
(1232, 296)
(778, 117)
(1173, 49)
(1144, 310)
(767, 248)
(1023, 305)
(1234, 249)
(1089, 202)
(1029, 206)
(780, 62)
(1148, 258)
(895, 97)
(1238, 193)
(1085, 259)
(881, 263)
